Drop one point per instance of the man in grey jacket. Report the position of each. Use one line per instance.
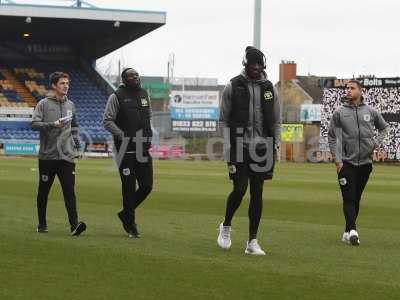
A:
(251, 111)
(352, 144)
(55, 118)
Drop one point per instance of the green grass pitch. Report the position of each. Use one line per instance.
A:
(177, 256)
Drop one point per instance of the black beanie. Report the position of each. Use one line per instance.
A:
(254, 56)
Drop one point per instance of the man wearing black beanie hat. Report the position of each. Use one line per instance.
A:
(251, 111)
(127, 117)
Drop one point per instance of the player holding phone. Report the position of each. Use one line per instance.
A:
(55, 118)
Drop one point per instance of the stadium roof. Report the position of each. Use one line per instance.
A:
(94, 31)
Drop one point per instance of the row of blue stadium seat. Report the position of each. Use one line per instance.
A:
(15, 135)
(86, 136)
(16, 125)
(93, 105)
(87, 108)
(11, 125)
(89, 99)
(91, 115)
(12, 96)
(90, 123)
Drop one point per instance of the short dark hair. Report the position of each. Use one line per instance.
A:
(358, 83)
(56, 76)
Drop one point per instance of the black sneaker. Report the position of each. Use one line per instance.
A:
(135, 232)
(42, 229)
(125, 223)
(81, 227)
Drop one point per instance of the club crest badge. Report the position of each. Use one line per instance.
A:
(145, 102)
(45, 178)
(367, 118)
(126, 171)
(268, 96)
(232, 169)
(343, 181)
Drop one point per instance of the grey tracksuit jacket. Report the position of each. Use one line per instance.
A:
(351, 133)
(56, 143)
(254, 128)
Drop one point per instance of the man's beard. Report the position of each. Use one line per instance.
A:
(132, 85)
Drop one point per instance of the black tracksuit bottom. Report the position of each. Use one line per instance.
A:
(352, 181)
(242, 174)
(65, 172)
(132, 170)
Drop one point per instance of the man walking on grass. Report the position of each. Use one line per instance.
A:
(352, 144)
(251, 111)
(127, 117)
(55, 118)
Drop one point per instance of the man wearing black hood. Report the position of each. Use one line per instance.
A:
(251, 111)
(127, 117)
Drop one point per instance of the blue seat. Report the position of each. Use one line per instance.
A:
(89, 99)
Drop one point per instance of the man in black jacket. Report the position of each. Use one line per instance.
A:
(127, 117)
(251, 112)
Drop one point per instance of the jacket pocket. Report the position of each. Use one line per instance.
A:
(345, 149)
(350, 149)
(366, 148)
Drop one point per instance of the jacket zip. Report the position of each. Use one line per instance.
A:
(254, 113)
(61, 114)
(60, 109)
(359, 136)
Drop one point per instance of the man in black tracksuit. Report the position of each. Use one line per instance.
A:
(127, 117)
(251, 112)
(55, 118)
(352, 144)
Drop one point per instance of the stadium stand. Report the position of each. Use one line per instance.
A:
(33, 47)
(89, 98)
(384, 98)
(18, 92)
(9, 96)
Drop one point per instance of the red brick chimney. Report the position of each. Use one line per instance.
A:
(287, 70)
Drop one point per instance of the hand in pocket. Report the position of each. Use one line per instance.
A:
(339, 167)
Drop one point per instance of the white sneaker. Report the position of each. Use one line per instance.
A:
(224, 237)
(353, 238)
(346, 238)
(254, 248)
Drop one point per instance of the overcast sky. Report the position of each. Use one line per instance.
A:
(208, 37)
